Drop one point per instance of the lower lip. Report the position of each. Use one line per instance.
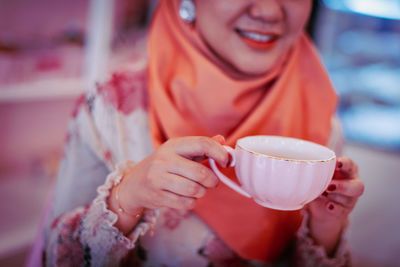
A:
(257, 44)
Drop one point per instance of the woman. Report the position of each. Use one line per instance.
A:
(215, 67)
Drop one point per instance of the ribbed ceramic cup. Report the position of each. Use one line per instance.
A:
(279, 172)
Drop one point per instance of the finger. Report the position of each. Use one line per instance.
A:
(172, 200)
(200, 146)
(323, 204)
(346, 168)
(193, 171)
(336, 209)
(350, 188)
(182, 186)
(219, 138)
(347, 202)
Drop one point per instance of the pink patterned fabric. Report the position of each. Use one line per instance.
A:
(106, 135)
(123, 91)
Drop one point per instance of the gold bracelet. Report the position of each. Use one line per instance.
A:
(120, 209)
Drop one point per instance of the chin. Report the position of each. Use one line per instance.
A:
(257, 65)
(254, 70)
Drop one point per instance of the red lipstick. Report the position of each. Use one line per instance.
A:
(258, 40)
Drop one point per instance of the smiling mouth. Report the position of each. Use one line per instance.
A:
(258, 40)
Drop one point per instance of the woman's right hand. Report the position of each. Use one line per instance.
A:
(170, 177)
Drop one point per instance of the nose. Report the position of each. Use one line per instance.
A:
(266, 10)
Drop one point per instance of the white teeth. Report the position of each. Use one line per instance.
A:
(256, 37)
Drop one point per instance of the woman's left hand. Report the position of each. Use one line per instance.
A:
(329, 212)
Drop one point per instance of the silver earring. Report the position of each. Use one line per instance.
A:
(187, 11)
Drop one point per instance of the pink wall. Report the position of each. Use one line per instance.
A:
(29, 20)
(32, 129)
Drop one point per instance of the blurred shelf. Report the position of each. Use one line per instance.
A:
(42, 89)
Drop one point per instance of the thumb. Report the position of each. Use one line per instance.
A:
(219, 138)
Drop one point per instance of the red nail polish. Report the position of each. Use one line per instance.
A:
(332, 187)
(325, 194)
(340, 165)
(331, 207)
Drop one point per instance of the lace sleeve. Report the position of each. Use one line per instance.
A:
(87, 236)
(98, 225)
(309, 254)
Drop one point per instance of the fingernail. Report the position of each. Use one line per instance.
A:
(332, 187)
(331, 207)
(339, 165)
(325, 194)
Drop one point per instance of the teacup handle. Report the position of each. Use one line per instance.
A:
(225, 179)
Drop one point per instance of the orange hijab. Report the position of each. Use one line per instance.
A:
(191, 94)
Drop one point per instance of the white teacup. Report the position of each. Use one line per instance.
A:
(279, 172)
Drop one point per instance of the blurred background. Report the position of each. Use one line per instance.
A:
(52, 50)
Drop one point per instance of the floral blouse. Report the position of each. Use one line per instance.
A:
(108, 132)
